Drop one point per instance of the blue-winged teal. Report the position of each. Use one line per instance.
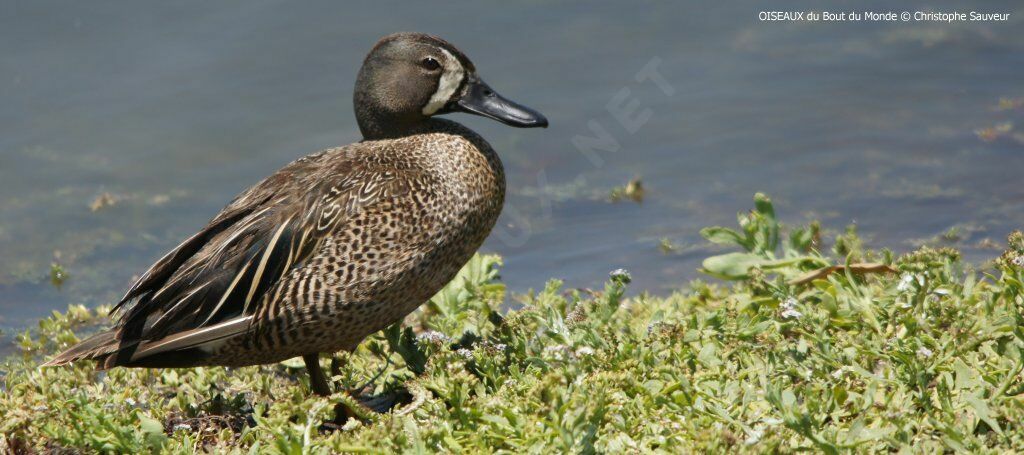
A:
(336, 245)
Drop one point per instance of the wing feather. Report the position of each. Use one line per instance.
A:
(214, 284)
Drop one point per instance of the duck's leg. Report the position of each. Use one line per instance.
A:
(320, 385)
(317, 380)
(336, 365)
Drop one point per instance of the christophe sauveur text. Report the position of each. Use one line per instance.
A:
(882, 16)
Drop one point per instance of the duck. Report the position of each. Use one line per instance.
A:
(336, 245)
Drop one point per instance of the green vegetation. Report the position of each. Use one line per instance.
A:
(633, 191)
(808, 348)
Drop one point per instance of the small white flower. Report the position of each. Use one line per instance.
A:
(182, 427)
(351, 425)
(433, 337)
(493, 348)
(465, 353)
(557, 352)
(791, 314)
(1018, 261)
(905, 281)
(840, 372)
(789, 310)
(754, 436)
(129, 401)
(584, 351)
(621, 275)
(924, 352)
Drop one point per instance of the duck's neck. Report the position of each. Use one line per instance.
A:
(377, 121)
(377, 126)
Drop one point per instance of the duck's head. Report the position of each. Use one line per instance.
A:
(409, 77)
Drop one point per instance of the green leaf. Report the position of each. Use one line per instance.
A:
(723, 236)
(984, 413)
(763, 205)
(153, 431)
(731, 266)
(736, 266)
(405, 344)
(768, 225)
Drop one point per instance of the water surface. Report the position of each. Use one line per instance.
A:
(172, 109)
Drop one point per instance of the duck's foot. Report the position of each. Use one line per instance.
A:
(342, 413)
(359, 405)
(349, 405)
(386, 401)
(365, 408)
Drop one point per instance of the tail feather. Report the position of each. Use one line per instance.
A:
(186, 348)
(97, 347)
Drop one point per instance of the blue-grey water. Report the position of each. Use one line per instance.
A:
(171, 108)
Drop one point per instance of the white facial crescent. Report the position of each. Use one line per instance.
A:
(451, 78)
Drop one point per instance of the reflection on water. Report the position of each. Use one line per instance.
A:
(124, 128)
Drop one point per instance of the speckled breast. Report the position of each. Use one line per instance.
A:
(392, 255)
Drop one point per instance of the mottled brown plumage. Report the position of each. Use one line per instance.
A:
(336, 245)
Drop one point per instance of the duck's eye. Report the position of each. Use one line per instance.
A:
(430, 63)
